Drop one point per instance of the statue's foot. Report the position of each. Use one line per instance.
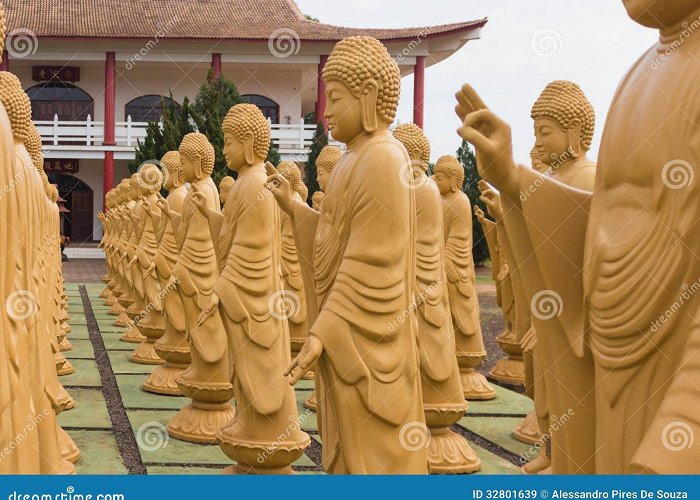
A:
(508, 370)
(116, 310)
(145, 354)
(200, 425)
(528, 431)
(105, 293)
(450, 453)
(131, 335)
(64, 400)
(65, 345)
(69, 450)
(475, 386)
(111, 300)
(536, 465)
(162, 379)
(63, 366)
(311, 403)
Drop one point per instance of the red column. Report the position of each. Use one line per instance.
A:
(109, 123)
(418, 90)
(321, 94)
(5, 64)
(216, 65)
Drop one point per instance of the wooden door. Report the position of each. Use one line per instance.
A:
(81, 216)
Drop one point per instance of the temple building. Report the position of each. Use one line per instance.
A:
(96, 71)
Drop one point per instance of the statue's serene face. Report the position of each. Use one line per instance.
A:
(322, 178)
(343, 112)
(234, 152)
(551, 141)
(443, 182)
(189, 167)
(659, 14)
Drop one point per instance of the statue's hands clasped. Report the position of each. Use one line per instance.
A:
(305, 361)
(280, 187)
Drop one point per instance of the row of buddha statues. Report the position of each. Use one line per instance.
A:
(238, 293)
(33, 335)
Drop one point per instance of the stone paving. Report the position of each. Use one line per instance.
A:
(121, 429)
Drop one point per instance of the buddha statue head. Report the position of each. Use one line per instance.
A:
(17, 105)
(564, 123)
(196, 157)
(33, 144)
(317, 199)
(124, 191)
(246, 136)
(291, 172)
(660, 14)
(325, 162)
(225, 185)
(134, 187)
(417, 146)
(303, 192)
(173, 176)
(448, 174)
(150, 179)
(362, 88)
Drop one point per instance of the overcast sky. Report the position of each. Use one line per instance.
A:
(525, 45)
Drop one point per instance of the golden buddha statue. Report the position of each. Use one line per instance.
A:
(150, 320)
(443, 398)
(265, 437)
(316, 200)
(448, 174)
(624, 256)
(172, 347)
(291, 305)
(207, 380)
(133, 299)
(359, 254)
(225, 185)
(325, 161)
(27, 364)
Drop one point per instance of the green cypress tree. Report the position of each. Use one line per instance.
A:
(216, 96)
(320, 141)
(466, 157)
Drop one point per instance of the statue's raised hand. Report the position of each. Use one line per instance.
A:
(147, 207)
(479, 214)
(490, 136)
(164, 205)
(491, 199)
(199, 200)
(280, 188)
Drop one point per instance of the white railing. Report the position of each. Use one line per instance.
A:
(292, 140)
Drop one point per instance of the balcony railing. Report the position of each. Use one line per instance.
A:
(292, 140)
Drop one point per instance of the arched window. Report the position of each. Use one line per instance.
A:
(69, 102)
(148, 108)
(268, 107)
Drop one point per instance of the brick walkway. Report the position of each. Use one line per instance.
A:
(84, 270)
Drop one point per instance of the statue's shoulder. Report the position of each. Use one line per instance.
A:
(381, 154)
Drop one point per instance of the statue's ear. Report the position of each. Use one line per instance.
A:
(198, 167)
(249, 148)
(455, 187)
(368, 101)
(574, 133)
